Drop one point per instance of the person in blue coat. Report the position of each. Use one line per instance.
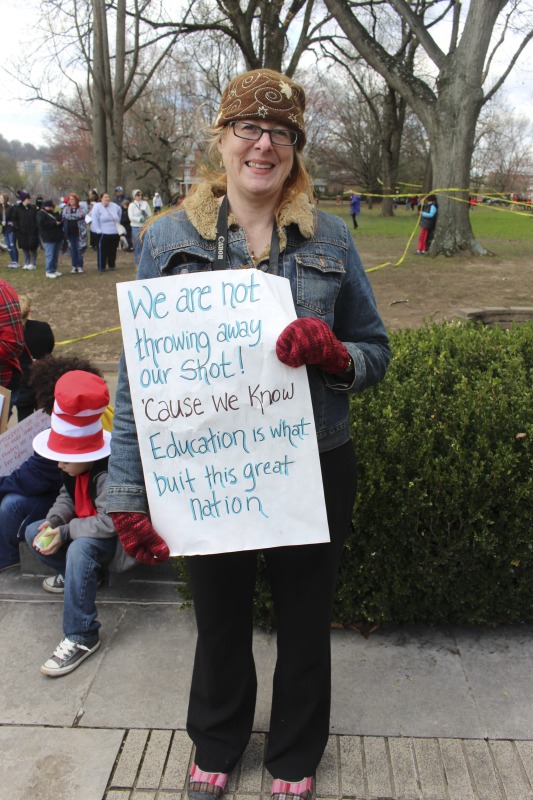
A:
(30, 489)
(33, 487)
(355, 208)
(428, 220)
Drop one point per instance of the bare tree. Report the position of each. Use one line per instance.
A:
(503, 153)
(449, 102)
(71, 154)
(344, 129)
(387, 106)
(259, 28)
(163, 128)
(103, 76)
(11, 179)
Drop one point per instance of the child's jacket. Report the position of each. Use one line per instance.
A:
(62, 515)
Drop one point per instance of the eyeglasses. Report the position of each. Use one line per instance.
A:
(278, 136)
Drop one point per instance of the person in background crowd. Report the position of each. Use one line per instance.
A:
(8, 230)
(138, 211)
(94, 197)
(75, 231)
(105, 217)
(51, 231)
(120, 196)
(11, 338)
(38, 343)
(157, 203)
(125, 221)
(428, 220)
(355, 208)
(24, 217)
(262, 206)
(38, 206)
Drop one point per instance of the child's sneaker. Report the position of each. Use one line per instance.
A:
(54, 584)
(67, 656)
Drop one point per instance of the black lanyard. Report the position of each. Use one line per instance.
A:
(221, 248)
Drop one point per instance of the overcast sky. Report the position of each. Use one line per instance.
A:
(18, 120)
(27, 121)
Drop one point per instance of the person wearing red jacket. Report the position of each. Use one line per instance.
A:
(11, 337)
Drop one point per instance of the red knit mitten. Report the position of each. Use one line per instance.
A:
(138, 538)
(311, 341)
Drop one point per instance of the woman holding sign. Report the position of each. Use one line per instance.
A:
(256, 212)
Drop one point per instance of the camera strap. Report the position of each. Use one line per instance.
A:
(221, 249)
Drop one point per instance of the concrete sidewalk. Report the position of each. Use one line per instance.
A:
(418, 714)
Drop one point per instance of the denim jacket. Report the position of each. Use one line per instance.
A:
(327, 279)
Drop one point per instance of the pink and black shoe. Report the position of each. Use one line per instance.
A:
(206, 785)
(296, 790)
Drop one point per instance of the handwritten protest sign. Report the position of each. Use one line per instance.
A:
(16, 442)
(226, 431)
(5, 395)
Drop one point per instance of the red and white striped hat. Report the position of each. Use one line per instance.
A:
(76, 434)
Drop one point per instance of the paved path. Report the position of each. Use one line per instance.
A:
(418, 714)
(153, 764)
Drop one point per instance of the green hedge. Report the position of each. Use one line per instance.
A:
(443, 526)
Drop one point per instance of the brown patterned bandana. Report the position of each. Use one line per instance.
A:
(264, 94)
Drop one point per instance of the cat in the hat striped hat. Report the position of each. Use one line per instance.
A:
(76, 434)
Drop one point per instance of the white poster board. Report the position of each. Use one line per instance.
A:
(226, 431)
(5, 397)
(16, 442)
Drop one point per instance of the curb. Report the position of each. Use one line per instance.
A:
(155, 764)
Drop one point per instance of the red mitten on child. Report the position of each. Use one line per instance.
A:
(311, 341)
(138, 538)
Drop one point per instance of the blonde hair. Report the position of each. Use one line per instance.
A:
(25, 306)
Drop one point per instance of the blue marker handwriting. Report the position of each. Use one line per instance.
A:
(169, 446)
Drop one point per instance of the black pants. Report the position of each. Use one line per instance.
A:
(223, 691)
(106, 250)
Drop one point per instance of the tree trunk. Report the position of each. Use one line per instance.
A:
(116, 149)
(392, 128)
(449, 114)
(99, 124)
(452, 137)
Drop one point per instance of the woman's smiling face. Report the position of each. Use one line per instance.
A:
(255, 167)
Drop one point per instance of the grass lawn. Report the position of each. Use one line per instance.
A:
(418, 289)
(488, 222)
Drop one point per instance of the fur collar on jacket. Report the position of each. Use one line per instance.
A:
(202, 209)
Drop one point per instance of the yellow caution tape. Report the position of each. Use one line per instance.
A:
(422, 198)
(89, 336)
